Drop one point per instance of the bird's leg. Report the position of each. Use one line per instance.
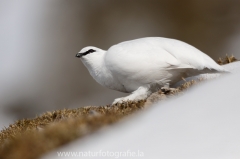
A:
(141, 93)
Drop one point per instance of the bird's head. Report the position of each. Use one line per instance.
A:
(92, 57)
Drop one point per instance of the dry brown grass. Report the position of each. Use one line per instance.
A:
(30, 138)
(227, 59)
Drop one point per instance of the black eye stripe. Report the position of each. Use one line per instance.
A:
(88, 52)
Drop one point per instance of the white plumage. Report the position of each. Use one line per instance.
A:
(143, 66)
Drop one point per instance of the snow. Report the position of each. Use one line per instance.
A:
(201, 123)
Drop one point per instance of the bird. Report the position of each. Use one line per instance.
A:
(145, 65)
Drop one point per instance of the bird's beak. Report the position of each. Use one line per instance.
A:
(78, 55)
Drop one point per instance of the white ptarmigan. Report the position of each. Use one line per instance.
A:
(145, 65)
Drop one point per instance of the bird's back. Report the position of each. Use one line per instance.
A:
(145, 60)
(182, 52)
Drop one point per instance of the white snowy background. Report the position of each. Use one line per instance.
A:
(203, 123)
(38, 71)
(39, 40)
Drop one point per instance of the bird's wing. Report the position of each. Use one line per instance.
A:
(140, 63)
